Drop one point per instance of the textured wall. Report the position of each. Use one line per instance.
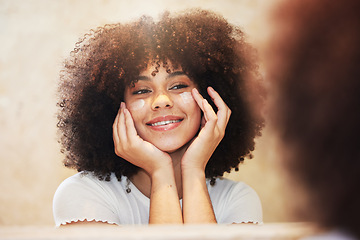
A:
(35, 36)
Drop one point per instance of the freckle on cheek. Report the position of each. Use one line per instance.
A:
(137, 105)
(187, 97)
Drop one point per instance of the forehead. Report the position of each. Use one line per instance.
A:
(159, 69)
(160, 75)
(156, 67)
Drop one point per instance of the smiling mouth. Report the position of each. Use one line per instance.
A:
(164, 123)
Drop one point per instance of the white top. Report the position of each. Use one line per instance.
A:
(85, 197)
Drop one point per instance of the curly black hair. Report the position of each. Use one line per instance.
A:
(314, 69)
(209, 50)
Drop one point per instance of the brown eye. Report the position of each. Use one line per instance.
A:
(179, 86)
(141, 91)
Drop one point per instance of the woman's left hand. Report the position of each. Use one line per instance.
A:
(211, 133)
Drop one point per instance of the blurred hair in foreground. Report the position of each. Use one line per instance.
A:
(313, 64)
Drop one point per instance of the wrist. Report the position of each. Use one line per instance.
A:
(193, 172)
(163, 173)
(159, 165)
(193, 167)
(163, 178)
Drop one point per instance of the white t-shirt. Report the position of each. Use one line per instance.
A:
(85, 197)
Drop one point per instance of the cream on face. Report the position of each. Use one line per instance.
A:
(146, 104)
(137, 105)
(187, 97)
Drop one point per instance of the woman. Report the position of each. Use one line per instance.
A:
(173, 135)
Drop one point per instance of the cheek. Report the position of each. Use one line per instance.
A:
(187, 102)
(136, 105)
(187, 98)
(136, 110)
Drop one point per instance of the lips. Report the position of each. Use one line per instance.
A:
(164, 123)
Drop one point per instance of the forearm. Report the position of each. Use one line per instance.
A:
(197, 206)
(164, 200)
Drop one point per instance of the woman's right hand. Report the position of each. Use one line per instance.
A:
(131, 147)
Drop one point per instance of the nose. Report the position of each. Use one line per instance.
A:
(162, 101)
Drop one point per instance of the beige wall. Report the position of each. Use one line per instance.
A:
(35, 36)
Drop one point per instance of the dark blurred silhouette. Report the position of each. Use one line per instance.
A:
(313, 64)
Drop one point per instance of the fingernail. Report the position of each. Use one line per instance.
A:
(211, 89)
(196, 91)
(122, 105)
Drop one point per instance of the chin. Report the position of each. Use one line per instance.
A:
(171, 148)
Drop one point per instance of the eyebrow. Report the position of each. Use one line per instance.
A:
(171, 75)
(176, 73)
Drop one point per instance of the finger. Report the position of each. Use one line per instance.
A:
(224, 111)
(129, 124)
(115, 127)
(209, 114)
(121, 125)
(207, 109)
(198, 98)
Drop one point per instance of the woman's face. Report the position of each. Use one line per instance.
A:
(164, 111)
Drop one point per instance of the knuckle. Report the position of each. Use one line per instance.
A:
(117, 152)
(120, 150)
(219, 134)
(222, 134)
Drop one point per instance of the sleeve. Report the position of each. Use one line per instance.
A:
(78, 199)
(243, 205)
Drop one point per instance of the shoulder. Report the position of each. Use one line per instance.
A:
(82, 181)
(84, 196)
(80, 178)
(76, 189)
(227, 186)
(235, 202)
(85, 184)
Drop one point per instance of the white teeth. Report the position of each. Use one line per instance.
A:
(164, 122)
